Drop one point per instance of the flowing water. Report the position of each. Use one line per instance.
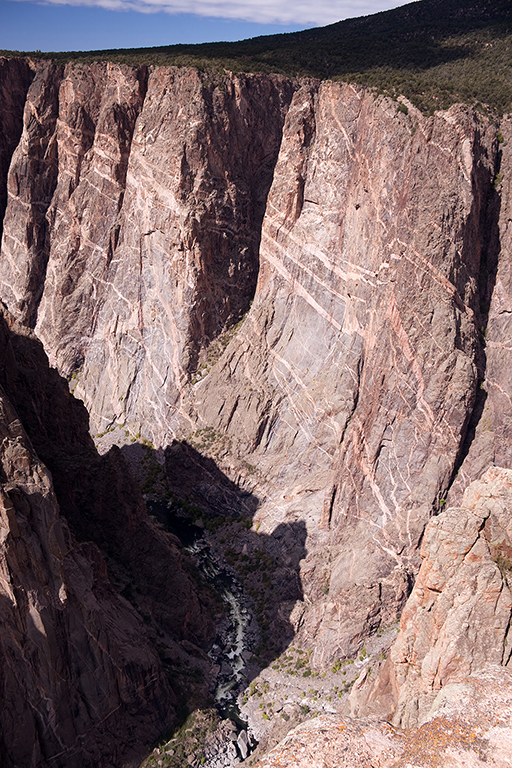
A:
(237, 637)
(239, 634)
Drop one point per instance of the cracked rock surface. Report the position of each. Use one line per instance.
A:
(299, 296)
(469, 724)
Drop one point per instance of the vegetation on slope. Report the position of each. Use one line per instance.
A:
(434, 52)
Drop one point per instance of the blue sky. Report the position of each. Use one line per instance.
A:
(65, 25)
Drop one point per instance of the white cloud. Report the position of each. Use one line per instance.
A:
(314, 12)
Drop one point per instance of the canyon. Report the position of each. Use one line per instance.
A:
(283, 306)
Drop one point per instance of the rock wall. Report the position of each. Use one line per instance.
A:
(146, 208)
(97, 495)
(490, 438)
(132, 227)
(81, 681)
(15, 78)
(352, 381)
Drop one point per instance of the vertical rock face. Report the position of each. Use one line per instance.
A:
(65, 187)
(132, 230)
(351, 382)
(15, 77)
(492, 421)
(186, 260)
(457, 620)
(80, 683)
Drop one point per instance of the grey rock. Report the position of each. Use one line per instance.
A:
(243, 744)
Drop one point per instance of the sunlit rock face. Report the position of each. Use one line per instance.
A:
(132, 229)
(456, 622)
(146, 208)
(351, 382)
(458, 616)
(469, 724)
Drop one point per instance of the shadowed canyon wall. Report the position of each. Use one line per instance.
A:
(82, 682)
(300, 271)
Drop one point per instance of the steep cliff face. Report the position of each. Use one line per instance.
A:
(360, 359)
(145, 209)
(15, 77)
(96, 494)
(491, 432)
(75, 129)
(81, 683)
(352, 380)
(132, 230)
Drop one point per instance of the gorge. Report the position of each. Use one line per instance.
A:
(283, 307)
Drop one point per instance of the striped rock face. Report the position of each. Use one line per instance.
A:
(147, 208)
(351, 382)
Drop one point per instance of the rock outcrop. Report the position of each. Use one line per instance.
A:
(469, 724)
(457, 620)
(444, 686)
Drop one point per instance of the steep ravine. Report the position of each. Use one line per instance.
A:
(83, 680)
(297, 293)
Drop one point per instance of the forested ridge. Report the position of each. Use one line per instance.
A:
(434, 52)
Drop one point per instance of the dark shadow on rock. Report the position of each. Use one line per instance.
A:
(267, 565)
(489, 253)
(199, 479)
(103, 504)
(189, 493)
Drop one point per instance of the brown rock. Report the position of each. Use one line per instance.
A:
(349, 396)
(469, 724)
(491, 432)
(154, 224)
(344, 399)
(79, 680)
(351, 382)
(82, 680)
(97, 494)
(15, 77)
